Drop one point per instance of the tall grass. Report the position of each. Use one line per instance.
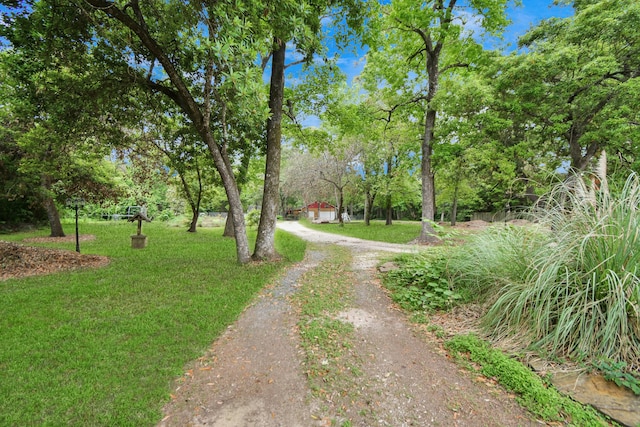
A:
(496, 257)
(579, 294)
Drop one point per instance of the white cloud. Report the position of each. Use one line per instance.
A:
(471, 23)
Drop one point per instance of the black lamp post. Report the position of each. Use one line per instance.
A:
(77, 203)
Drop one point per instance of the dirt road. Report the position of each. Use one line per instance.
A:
(253, 375)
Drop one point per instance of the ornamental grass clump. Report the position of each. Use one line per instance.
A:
(498, 256)
(580, 294)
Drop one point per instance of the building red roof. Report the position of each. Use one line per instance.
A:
(321, 205)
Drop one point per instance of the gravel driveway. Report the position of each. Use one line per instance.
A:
(314, 236)
(253, 374)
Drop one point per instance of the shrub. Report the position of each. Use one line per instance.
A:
(580, 295)
(253, 218)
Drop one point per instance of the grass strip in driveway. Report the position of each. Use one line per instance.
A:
(331, 365)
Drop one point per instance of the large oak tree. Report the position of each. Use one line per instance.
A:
(58, 107)
(200, 55)
(416, 45)
(578, 82)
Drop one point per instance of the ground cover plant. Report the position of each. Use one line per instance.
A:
(103, 346)
(542, 400)
(422, 283)
(399, 232)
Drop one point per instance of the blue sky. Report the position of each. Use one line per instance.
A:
(523, 17)
(530, 14)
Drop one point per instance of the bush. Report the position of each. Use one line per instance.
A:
(165, 215)
(253, 218)
(580, 295)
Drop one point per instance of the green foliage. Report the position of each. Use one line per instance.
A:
(164, 216)
(572, 290)
(532, 392)
(253, 218)
(58, 104)
(616, 372)
(402, 81)
(101, 347)
(420, 282)
(575, 82)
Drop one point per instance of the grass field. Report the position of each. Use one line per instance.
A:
(398, 232)
(103, 347)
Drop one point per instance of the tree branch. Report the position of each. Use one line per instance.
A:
(265, 61)
(413, 56)
(150, 72)
(456, 65)
(301, 61)
(186, 102)
(402, 104)
(133, 4)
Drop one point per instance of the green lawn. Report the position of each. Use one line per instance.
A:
(398, 232)
(102, 347)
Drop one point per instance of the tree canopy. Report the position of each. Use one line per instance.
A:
(437, 125)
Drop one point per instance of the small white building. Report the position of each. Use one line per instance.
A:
(321, 211)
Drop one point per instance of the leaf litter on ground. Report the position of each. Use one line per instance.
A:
(17, 260)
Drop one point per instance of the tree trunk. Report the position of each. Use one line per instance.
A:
(228, 226)
(580, 157)
(454, 205)
(265, 241)
(54, 218)
(235, 205)
(283, 205)
(387, 202)
(243, 171)
(427, 233)
(368, 206)
(389, 210)
(223, 165)
(367, 196)
(51, 208)
(240, 231)
(340, 206)
(194, 221)
(530, 194)
(194, 204)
